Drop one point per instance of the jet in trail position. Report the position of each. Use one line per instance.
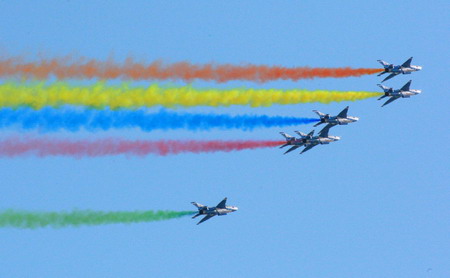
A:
(296, 142)
(220, 209)
(405, 68)
(321, 139)
(340, 119)
(404, 92)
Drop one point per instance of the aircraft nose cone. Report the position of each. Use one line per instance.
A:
(356, 119)
(337, 138)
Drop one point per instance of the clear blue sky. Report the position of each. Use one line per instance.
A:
(375, 204)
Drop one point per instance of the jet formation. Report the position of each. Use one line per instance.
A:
(309, 141)
(209, 212)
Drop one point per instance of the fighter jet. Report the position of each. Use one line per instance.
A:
(322, 139)
(404, 92)
(296, 142)
(340, 119)
(220, 209)
(405, 68)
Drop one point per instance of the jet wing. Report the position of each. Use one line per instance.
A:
(406, 86)
(206, 218)
(308, 148)
(343, 113)
(222, 204)
(389, 101)
(407, 64)
(292, 148)
(328, 126)
(324, 131)
(389, 76)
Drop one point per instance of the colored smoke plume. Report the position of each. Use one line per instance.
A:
(82, 68)
(99, 95)
(32, 220)
(50, 119)
(42, 147)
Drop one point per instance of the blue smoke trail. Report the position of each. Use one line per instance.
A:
(49, 119)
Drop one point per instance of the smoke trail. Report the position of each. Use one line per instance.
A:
(14, 146)
(50, 119)
(64, 68)
(123, 96)
(32, 220)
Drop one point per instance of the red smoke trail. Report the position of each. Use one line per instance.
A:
(81, 148)
(64, 68)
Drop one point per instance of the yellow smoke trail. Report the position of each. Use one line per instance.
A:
(100, 95)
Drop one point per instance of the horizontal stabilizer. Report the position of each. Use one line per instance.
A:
(319, 123)
(389, 76)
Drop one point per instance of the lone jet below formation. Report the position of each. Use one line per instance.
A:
(220, 209)
(404, 92)
(405, 68)
(309, 140)
(340, 119)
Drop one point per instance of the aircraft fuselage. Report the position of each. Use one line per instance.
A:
(341, 121)
(217, 211)
(403, 70)
(404, 94)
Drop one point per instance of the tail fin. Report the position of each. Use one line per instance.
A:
(319, 113)
(301, 133)
(385, 88)
(384, 63)
(197, 205)
(287, 136)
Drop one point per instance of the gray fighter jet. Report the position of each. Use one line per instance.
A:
(405, 68)
(296, 142)
(322, 139)
(220, 209)
(404, 92)
(309, 141)
(340, 119)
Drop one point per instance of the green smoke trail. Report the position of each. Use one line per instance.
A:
(32, 220)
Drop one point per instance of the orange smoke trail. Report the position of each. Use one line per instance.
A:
(65, 68)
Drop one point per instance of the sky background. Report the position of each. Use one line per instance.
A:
(375, 204)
